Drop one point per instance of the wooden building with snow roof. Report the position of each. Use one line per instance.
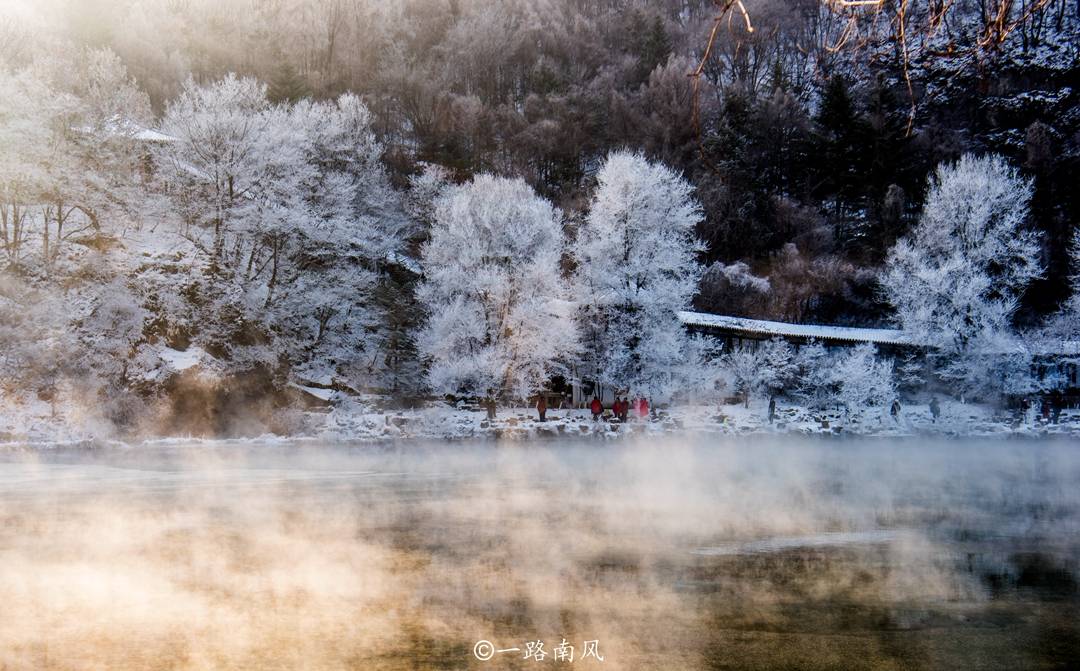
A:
(735, 332)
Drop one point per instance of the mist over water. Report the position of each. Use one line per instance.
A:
(740, 554)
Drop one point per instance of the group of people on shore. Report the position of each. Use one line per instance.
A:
(1049, 407)
(621, 409)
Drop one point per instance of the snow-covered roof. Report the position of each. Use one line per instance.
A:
(151, 135)
(406, 262)
(809, 331)
(117, 125)
(1053, 347)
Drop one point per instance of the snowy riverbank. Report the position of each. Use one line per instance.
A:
(522, 423)
(352, 421)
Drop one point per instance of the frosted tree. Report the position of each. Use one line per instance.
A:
(1056, 337)
(69, 173)
(67, 156)
(768, 368)
(636, 270)
(1072, 307)
(231, 146)
(778, 362)
(351, 188)
(861, 380)
(814, 382)
(425, 188)
(855, 379)
(24, 138)
(955, 281)
(499, 319)
(742, 368)
(113, 327)
(1065, 325)
(292, 210)
(703, 372)
(356, 221)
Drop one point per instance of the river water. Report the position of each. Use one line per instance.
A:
(681, 554)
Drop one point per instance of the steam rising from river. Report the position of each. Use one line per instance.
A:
(672, 555)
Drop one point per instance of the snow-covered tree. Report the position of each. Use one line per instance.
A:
(292, 211)
(814, 383)
(862, 380)
(357, 222)
(351, 190)
(425, 188)
(68, 161)
(855, 379)
(703, 373)
(234, 155)
(69, 187)
(1057, 338)
(743, 369)
(768, 368)
(956, 280)
(1065, 325)
(24, 138)
(636, 270)
(499, 319)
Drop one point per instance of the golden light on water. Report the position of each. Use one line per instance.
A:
(670, 556)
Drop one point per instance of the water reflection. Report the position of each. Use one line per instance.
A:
(744, 555)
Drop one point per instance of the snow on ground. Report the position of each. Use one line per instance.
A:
(359, 420)
(181, 360)
(444, 422)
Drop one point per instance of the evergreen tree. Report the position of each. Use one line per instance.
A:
(287, 85)
(888, 167)
(400, 316)
(840, 134)
(655, 48)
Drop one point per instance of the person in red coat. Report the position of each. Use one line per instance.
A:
(643, 408)
(597, 408)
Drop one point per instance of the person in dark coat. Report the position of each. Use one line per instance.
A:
(772, 409)
(895, 410)
(935, 408)
(541, 408)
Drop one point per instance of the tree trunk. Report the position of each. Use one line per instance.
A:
(45, 237)
(275, 247)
